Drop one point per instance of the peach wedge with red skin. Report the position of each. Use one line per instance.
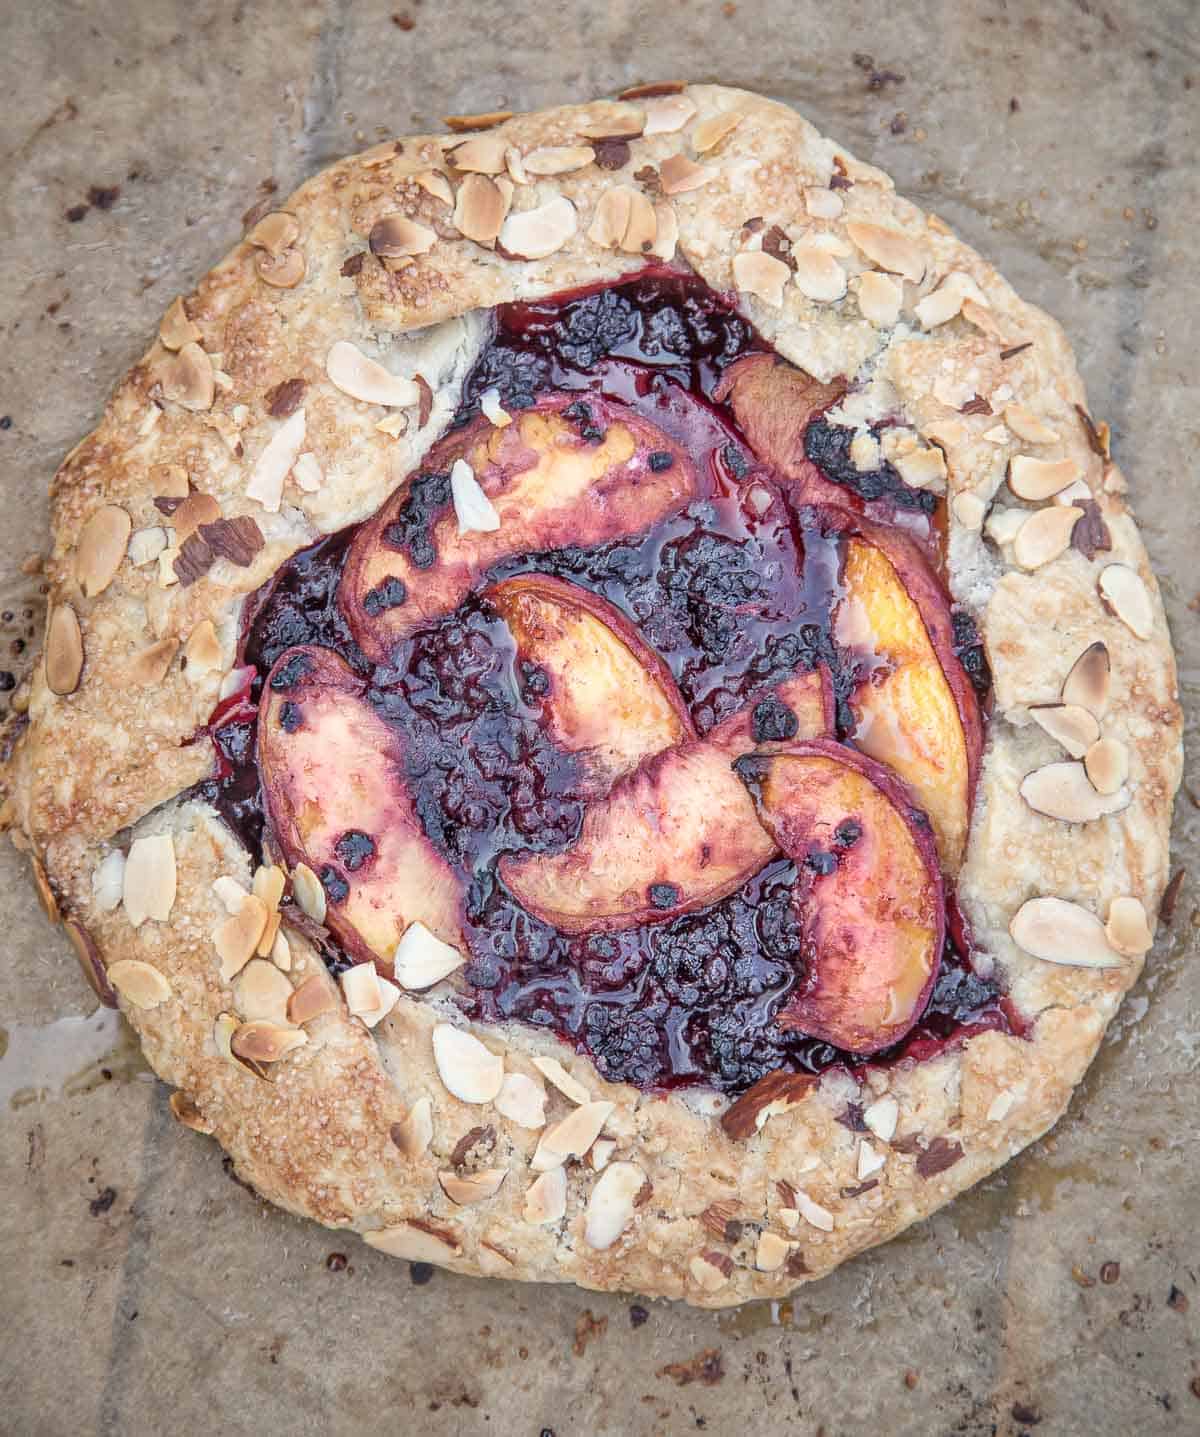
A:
(869, 893)
(332, 775)
(553, 477)
(677, 834)
(610, 697)
(915, 708)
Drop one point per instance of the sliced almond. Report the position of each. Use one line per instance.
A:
(1107, 765)
(1125, 595)
(413, 1134)
(600, 1153)
(108, 878)
(1128, 929)
(196, 509)
(266, 943)
(1026, 425)
(284, 271)
(546, 1197)
(554, 1072)
(822, 203)
(312, 998)
(666, 236)
(175, 329)
(619, 122)
(642, 229)
(261, 1042)
(1063, 791)
(479, 210)
(818, 274)
(890, 249)
(558, 159)
(275, 462)
(665, 114)
(275, 232)
(481, 120)
(922, 468)
(281, 952)
(229, 892)
(1038, 479)
(611, 1205)
(360, 988)
(470, 1071)
(945, 303)
(434, 183)
(414, 1244)
(1077, 492)
(879, 298)
(421, 958)
(1087, 684)
(679, 175)
(611, 217)
(307, 473)
(771, 1252)
(492, 410)
(1000, 1106)
(536, 233)
(236, 940)
(350, 370)
(202, 651)
(711, 1270)
(396, 236)
(881, 1118)
(187, 1114)
(1003, 525)
(467, 1188)
(90, 962)
(225, 1026)
(474, 510)
(869, 1161)
(260, 991)
(813, 1213)
(522, 1101)
(571, 1136)
(138, 983)
(146, 545)
(482, 155)
(102, 546)
(187, 378)
(709, 133)
(1045, 536)
(148, 889)
(969, 510)
(1071, 725)
(762, 275)
(389, 996)
(268, 884)
(1060, 932)
(64, 650)
(308, 892)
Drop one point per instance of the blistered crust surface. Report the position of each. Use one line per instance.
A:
(334, 1129)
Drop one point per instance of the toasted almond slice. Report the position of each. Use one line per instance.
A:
(771, 1252)
(1038, 479)
(879, 298)
(45, 893)
(308, 892)
(762, 275)
(1060, 932)
(1003, 525)
(869, 1161)
(275, 462)
(1063, 791)
(922, 468)
(225, 1025)
(275, 232)
(389, 996)
(483, 120)
(281, 951)
(187, 1114)
(890, 249)
(522, 1101)
(470, 1071)
(146, 545)
(202, 651)
(236, 940)
(1071, 725)
(818, 274)
(969, 510)
(666, 236)
(64, 650)
(261, 1042)
(709, 133)
(554, 1072)
(413, 1134)
(230, 893)
(1000, 1106)
(474, 510)
(1107, 765)
(1045, 536)
(711, 1270)
(881, 1117)
(813, 1213)
(421, 958)
(1026, 425)
(108, 879)
(175, 329)
(571, 1136)
(1125, 595)
(619, 122)
(393, 424)
(187, 378)
(642, 228)
(397, 236)
(434, 183)
(546, 1197)
(679, 175)
(492, 410)
(414, 1244)
(312, 998)
(467, 1188)
(822, 203)
(1087, 684)
(1128, 929)
(360, 988)
(138, 983)
(945, 303)
(266, 944)
(1077, 492)
(268, 883)
(354, 374)
(558, 159)
(481, 155)
(610, 1207)
(536, 233)
(260, 991)
(665, 114)
(284, 271)
(149, 879)
(307, 473)
(102, 546)
(611, 217)
(599, 1155)
(479, 210)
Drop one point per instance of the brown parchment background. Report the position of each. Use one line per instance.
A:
(141, 1290)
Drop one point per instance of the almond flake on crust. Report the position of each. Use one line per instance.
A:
(558, 159)
(389, 996)
(64, 651)
(470, 1071)
(414, 1243)
(890, 249)
(466, 1188)
(310, 1000)
(817, 273)
(1088, 682)
(945, 303)
(522, 1101)
(149, 881)
(1063, 791)
(679, 175)
(762, 275)
(666, 236)
(284, 271)
(610, 219)
(309, 892)
(1028, 426)
(421, 958)
(546, 1197)
(619, 122)
(261, 991)
(881, 1118)
(413, 1134)
(1070, 725)
(710, 131)
(1038, 479)
(539, 232)
(480, 208)
(138, 983)
(1128, 929)
(554, 1072)
(1045, 536)
(262, 1042)
(571, 1136)
(202, 651)
(102, 546)
(1107, 765)
(351, 371)
(108, 879)
(275, 232)
(187, 379)
(175, 329)
(398, 237)
(482, 154)
(236, 940)
(869, 1161)
(813, 1213)
(665, 114)
(969, 509)
(307, 473)
(879, 298)
(1060, 932)
(360, 989)
(229, 892)
(711, 1270)
(1125, 595)
(145, 545)
(610, 1207)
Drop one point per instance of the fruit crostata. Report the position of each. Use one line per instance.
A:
(603, 715)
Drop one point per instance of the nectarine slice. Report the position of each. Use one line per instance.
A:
(572, 470)
(333, 783)
(915, 708)
(606, 694)
(773, 402)
(869, 893)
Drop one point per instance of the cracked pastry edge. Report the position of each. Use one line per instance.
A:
(317, 1139)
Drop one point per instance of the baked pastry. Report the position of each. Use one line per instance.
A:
(603, 715)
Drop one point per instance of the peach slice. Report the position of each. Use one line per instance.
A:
(572, 470)
(333, 785)
(869, 896)
(677, 834)
(772, 402)
(608, 695)
(915, 709)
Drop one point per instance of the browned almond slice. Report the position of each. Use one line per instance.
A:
(64, 650)
(1107, 765)
(536, 233)
(484, 120)
(1125, 595)
(413, 1134)
(479, 210)
(1038, 479)
(102, 546)
(472, 1072)
(761, 275)
(1060, 932)
(466, 1188)
(275, 232)
(890, 249)
(667, 113)
(484, 155)
(149, 882)
(395, 236)
(262, 1042)
(260, 990)
(175, 329)
(611, 218)
(138, 983)
(187, 378)
(1028, 426)
(283, 271)
(710, 131)
(571, 1136)
(522, 1101)
(818, 274)
(312, 998)
(1071, 725)
(236, 940)
(611, 1206)
(1128, 928)
(415, 1243)
(1063, 791)
(1045, 535)
(558, 159)
(1087, 684)
(363, 378)
(679, 175)
(546, 1197)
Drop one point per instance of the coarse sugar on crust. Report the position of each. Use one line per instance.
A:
(352, 315)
